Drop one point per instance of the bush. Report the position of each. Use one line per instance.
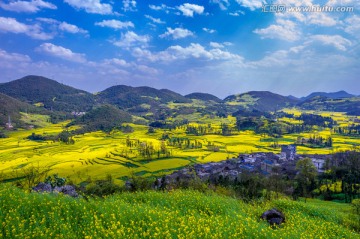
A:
(137, 183)
(102, 188)
(356, 206)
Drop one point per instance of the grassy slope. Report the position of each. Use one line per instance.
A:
(177, 214)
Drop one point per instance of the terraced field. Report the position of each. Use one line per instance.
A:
(97, 154)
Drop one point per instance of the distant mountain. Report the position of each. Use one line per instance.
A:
(12, 107)
(203, 96)
(261, 101)
(293, 97)
(349, 105)
(49, 93)
(332, 95)
(127, 96)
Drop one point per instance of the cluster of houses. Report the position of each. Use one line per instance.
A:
(265, 163)
(78, 113)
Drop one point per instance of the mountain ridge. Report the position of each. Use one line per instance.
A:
(146, 101)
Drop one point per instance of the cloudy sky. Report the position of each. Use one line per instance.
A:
(215, 46)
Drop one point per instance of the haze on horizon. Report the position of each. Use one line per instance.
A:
(220, 47)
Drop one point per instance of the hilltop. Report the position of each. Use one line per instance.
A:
(204, 97)
(332, 95)
(261, 100)
(349, 105)
(127, 96)
(48, 93)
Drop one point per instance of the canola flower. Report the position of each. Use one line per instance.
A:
(175, 214)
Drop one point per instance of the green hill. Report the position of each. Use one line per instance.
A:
(261, 100)
(348, 105)
(127, 96)
(332, 95)
(175, 214)
(49, 93)
(12, 107)
(104, 118)
(203, 97)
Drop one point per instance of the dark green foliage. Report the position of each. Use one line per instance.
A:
(55, 181)
(151, 130)
(270, 127)
(2, 135)
(126, 129)
(348, 130)
(105, 118)
(138, 183)
(311, 119)
(54, 96)
(36, 137)
(102, 188)
(356, 206)
(66, 137)
(306, 177)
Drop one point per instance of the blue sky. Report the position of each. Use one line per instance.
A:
(220, 47)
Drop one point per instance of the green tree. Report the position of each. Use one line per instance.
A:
(306, 176)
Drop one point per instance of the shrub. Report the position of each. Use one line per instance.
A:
(102, 188)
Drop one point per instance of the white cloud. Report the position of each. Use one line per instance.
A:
(237, 13)
(61, 52)
(91, 6)
(251, 4)
(284, 30)
(321, 19)
(208, 30)
(114, 24)
(27, 6)
(155, 20)
(13, 57)
(216, 45)
(158, 8)
(66, 27)
(13, 26)
(353, 25)
(189, 9)
(176, 33)
(336, 41)
(223, 4)
(343, 3)
(193, 51)
(131, 39)
(116, 62)
(129, 5)
(48, 20)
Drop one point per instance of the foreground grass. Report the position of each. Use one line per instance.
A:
(177, 214)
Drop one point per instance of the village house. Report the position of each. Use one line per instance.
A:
(289, 151)
(9, 125)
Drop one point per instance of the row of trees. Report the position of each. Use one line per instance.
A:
(348, 130)
(315, 140)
